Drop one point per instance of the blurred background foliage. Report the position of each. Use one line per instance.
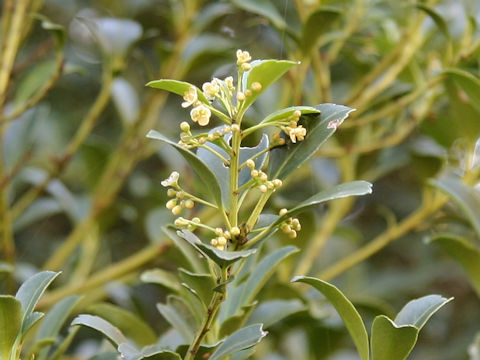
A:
(80, 184)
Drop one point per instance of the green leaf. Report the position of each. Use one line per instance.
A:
(111, 332)
(10, 323)
(239, 340)
(345, 308)
(244, 293)
(198, 264)
(272, 311)
(263, 8)
(467, 198)
(285, 159)
(317, 24)
(161, 277)
(418, 311)
(464, 252)
(176, 312)
(176, 87)
(201, 169)
(220, 257)
(53, 321)
(392, 342)
(31, 320)
(288, 112)
(30, 292)
(468, 83)
(152, 352)
(265, 72)
(130, 324)
(203, 284)
(353, 188)
(57, 29)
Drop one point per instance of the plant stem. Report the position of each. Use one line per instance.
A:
(212, 310)
(234, 165)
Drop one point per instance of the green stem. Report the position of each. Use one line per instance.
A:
(212, 311)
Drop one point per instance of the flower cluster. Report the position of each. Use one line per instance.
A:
(189, 141)
(181, 200)
(291, 226)
(262, 179)
(223, 237)
(293, 130)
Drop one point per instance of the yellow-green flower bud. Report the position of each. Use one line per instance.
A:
(235, 231)
(250, 163)
(185, 126)
(189, 204)
(177, 210)
(171, 192)
(222, 241)
(282, 212)
(219, 231)
(263, 188)
(171, 204)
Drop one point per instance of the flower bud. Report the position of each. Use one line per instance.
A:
(282, 212)
(235, 231)
(219, 231)
(222, 241)
(250, 163)
(256, 86)
(171, 204)
(189, 204)
(185, 126)
(171, 192)
(177, 210)
(263, 188)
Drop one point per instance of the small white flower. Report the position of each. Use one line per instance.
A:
(211, 89)
(201, 114)
(296, 133)
(171, 180)
(229, 81)
(190, 96)
(243, 57)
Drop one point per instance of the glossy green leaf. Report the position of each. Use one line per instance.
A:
(151, 352)
(265, 72)
(198, 264)
(101, 325)
(30, 292)
(244, 294)
(468, 83)
(467, 198)
(263, 8)
(392, 342)
(203, 284)
(220, 257)
(285, 159)
(353, 188)
(239, 340)
(53, 321)
(31, 320)
(345, 308)
(10, 323)
(417, 312)
(286, 113)
(130, 324)
(467, 254)
(200, 168)
(272, 311)
(176, 87)
(317, 23)
(176, 312)
(161, 277)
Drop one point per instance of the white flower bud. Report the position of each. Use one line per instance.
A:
(263, 188)
(282, 212)
(171, 192)
(189, 204)
(219, 231)
(177, 210)
(185, 126)
(246, 66)
(254, 173)
(214, 242)
(277, 182)
(171, 204)
(235, 231)
(240, 96)
(180, 194)
(250, 163)
(235, 128)
(256, 86)
(222, 241)
(292, 234)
